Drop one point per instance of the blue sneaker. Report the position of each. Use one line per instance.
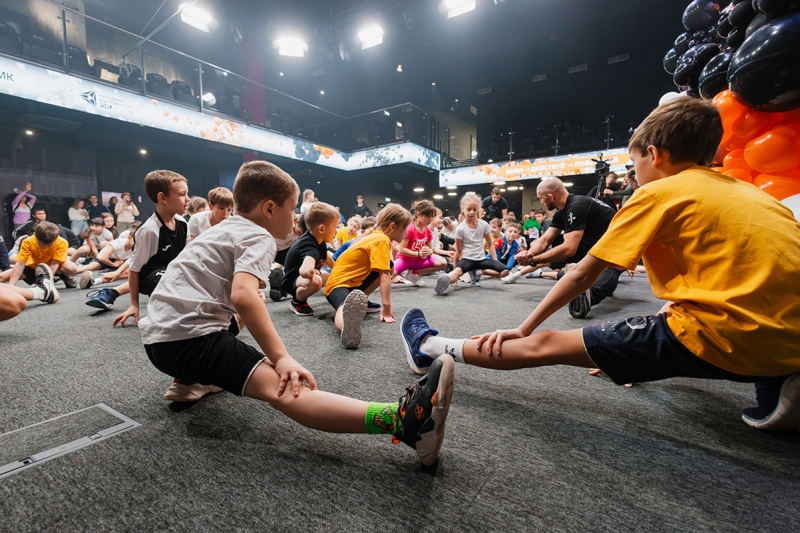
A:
(373, 307)
(102, 299)
(778, 405)
(414, 328)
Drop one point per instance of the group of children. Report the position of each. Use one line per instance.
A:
(205, 288)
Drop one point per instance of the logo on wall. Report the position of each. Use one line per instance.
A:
(8, 76)
(90, 97)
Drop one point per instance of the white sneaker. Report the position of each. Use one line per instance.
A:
(415, 278)
(86, 280)
(511, 278)
(178, 392)
(535, 274)
(466, 278)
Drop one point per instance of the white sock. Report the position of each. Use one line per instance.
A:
(38, 293)
(516, 274)
(434, 346)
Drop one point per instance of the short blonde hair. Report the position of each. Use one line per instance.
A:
(469, 198)
(393, 213)
(258, 181)
(220, 197)
(320, 213)
(355, 219)
(159, 181)
(196, 203)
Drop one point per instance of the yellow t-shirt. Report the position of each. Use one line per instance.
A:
(343, 236)
(31, 254)
(728, 255)
(369, 253)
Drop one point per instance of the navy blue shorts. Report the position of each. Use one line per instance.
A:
(643, 348)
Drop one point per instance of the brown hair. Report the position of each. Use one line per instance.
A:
(425, 208)
(45, 232)
(258, 181)
(540, 211)
(509, 218)
(220, 197)
(496, 190)
(367, 223)
(159, 181)
(514, 225)
(76, 203)
(196, 203)
(393, 213)
(321, 213)
(97, 221)
(688, 129)
(496, 223)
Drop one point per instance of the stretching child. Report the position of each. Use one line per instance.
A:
(471, 234)
(276, 294)
(717, 324)
(220, 205)
(415, 256)
(365, 266)
(112, 257)
(40, 257)
(347, 233)
(301, 272)
(189, 331)
(95, 238)
(510, 245)
(437, 242)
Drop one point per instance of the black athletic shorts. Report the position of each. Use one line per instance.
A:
(468, 265)
(215, 359)
(338, 295)
(29, 275)
(280, 257)
(104, 265)
(148, 283)
(643, 348)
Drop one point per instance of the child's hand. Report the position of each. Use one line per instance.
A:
(27, 187)
(386, 313)
(492, 343)
(452, 254)
(289, 369)
(425, 251)
(130, 312)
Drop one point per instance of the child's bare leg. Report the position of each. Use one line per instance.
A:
(122, 289)
(12, 302)
(67, 268)
(543, 348)
(25, 293)
(79, 252)
(337, 318)
(80, 269)
(372, 286)
(455, 274)
(314, 409)
(307, 287)
(550, 275)
(5, 275)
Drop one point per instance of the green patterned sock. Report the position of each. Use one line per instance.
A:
(382, 418)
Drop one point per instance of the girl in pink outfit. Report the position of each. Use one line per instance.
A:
(22, 205)
(415, 254)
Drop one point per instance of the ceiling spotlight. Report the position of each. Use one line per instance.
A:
(28, 132)
(513, 188)
(319, 182)
(490, 160)
(499, 182)
(399, 124)
(437, 196)
(452, 194)
(452, 187)
(369, 37)
(474, 153)
(454, 8)
(322, 92)
(502, 190)
(209, 99)
(568, 184)
(521, 187)
(290, 47)
(434, 83)
(194, 16)
(399, 68)
(419, 189)
(143, 151)
(281, 73)
(456, 99)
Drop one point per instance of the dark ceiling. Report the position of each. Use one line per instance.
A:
(501, 46)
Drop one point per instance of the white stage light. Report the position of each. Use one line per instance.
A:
(437, 196)
(291, 47)
(209, 99)
(419, 189)
(369, 37)
(194, 16)
(454, 8)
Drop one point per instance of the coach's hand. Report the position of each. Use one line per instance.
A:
(492, 343)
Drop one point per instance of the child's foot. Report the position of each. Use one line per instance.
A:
(414, 328)
(778, 406)
(466, 277)
(511, 278)
(300, 308)
(423, 410)
(69, 283)
(86, 280)
(415, 278)
(580, 306)
(353, 310)
(275, 279)
(373, 307)
(178, 392)
(442, 284)
(44, 280)
(535, 274)
(102, 299)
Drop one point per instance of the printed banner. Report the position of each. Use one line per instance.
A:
(527, 169)
(52, 87)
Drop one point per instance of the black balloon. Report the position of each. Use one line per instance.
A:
(700, 14)
(691, 64)
(765, 70)
(758, 21)
(736, 37)
(777, 7)
(714, 77)
(671, 61)
(754, 3)
(741, 15)
(724, 26)
(682, 43)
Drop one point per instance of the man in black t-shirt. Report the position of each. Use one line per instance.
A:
(494, 206)
(360, 209)
(95, 209)
(583, 220)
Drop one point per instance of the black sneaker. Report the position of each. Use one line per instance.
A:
(423, 410)
(69, 282)
(44, 280)
(580, 306)
(778, 405)
(373, 307)
(301, 308)
(275, 279)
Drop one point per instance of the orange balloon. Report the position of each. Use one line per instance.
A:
(777, 150)
(730, 111)
(752, 124)
(735, 159)
(739, 174)
(791, 115)
(778, 185)
(719, 156)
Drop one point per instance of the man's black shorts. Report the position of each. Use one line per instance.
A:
(643, 348)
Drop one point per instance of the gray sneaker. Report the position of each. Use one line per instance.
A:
(353, 310)
(442, 284)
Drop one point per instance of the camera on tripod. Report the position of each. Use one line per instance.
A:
(601, 166)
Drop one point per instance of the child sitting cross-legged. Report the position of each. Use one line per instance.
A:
(302, 274)
(190, 330)
(111, 257)
(95, 239)
(415, 256)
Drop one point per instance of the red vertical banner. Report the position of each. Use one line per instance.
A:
(252, 61)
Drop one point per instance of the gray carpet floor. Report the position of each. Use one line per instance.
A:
(549, 449)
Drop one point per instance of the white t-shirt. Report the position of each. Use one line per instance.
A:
(103, 237)
(435, 244)
(472, 239)
(285, 244)
(193, 297)
(119, 249)
(199, 223)
(304, 207)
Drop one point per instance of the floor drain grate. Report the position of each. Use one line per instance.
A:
(39, 443)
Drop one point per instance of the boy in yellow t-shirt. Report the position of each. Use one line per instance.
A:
(687, 223)
(348, 233)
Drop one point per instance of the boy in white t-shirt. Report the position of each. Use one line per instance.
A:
(190, 330)
(112, 256)
(220, 205)
(95, 239)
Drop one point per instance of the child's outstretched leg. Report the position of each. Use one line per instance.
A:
(444, 281)
(418, 419)
(104, 298)
(349, 316)
(12, 302)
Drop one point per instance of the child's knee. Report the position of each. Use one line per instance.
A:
(11, 305)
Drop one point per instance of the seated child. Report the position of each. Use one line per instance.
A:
(415, 256)
(190, 332)
(507, 221)
(220, 205)
(95, 238)
(471, 236)
(360, 270)
(438, 242)
(509, 246)
(348, 233)
(111, 257)
(108, 223)
(306, 257)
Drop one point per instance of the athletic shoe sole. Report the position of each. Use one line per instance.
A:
(579, 307)
(86, 280)
(353, 310)
(275, 278)
(409, 356)
(431, 441)
(179, 392)
(49, 272)
(786, 415)
(442, 283)
(97, 304)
